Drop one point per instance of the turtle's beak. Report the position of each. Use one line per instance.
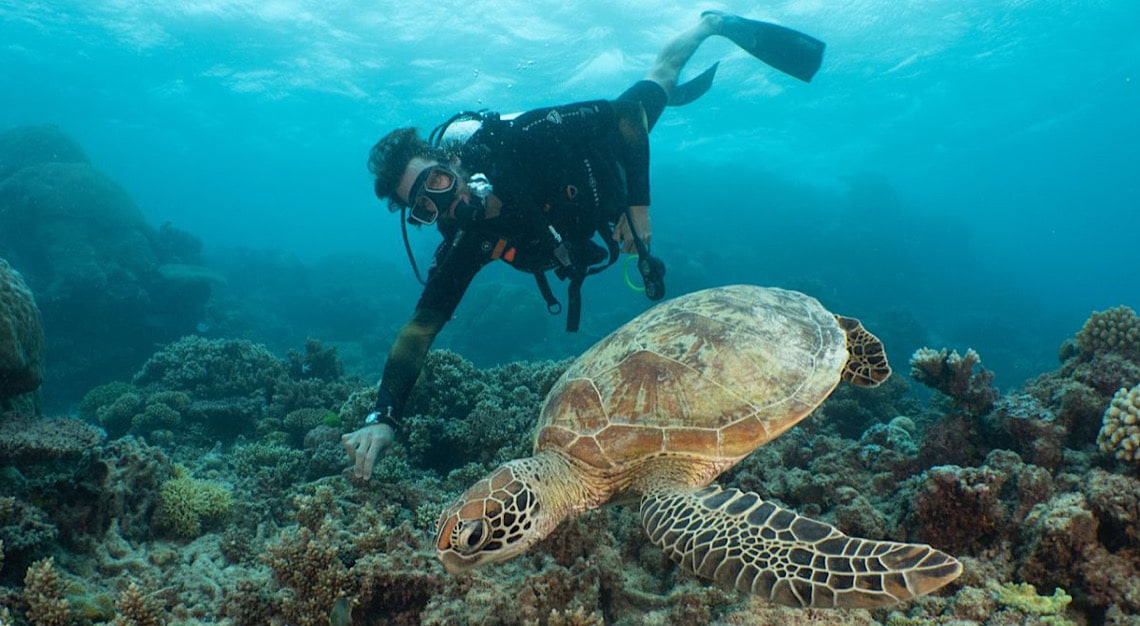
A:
(456, 563)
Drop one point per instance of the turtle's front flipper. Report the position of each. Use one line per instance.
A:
(754, 546)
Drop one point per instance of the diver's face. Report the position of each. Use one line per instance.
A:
(431, 189)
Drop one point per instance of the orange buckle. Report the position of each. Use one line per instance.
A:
(498, 250)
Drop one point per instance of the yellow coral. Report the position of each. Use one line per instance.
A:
(184, 503)
(1024, 598)
(1115, 330)
(1120, 426)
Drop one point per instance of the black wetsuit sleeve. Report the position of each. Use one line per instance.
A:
(457, 260)
(405, 361)
(633, 150)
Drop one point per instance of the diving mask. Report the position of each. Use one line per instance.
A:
(432, 190)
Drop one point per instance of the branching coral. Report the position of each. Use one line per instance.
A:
(43, 593)
(459, 414)
(376, 567)
(136, 609)
(1024, 597)
(1120, 429)
(185, 504)
(953, 375)
(213, 369)
(317, 362)
(301, 421)
(1115, 330)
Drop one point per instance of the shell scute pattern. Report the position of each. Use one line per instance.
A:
(713, 379)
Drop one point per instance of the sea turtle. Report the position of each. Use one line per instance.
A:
(659, 409)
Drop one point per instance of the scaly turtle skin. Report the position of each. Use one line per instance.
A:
(658, 410)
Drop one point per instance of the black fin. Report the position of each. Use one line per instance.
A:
(687, 92)
(790, 51)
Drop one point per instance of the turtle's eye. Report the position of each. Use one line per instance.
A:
(469, 536)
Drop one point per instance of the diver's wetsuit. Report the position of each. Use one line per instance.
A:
(574, 168)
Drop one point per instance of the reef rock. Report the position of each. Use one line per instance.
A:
(21, 336)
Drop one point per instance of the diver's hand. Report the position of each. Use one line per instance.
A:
(364, 445)
(624, 236)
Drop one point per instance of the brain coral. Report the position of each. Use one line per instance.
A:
(21, 336)
(1120, 429)
(1115, 330)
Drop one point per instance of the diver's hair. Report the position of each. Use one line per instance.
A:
(390, 156)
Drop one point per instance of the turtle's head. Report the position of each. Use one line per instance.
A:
(497, 519)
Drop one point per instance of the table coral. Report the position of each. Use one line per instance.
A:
(21, 336)
(25, 439)
(1120, 430)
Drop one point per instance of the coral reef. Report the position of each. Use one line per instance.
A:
(205, 390)
(953, 375)
(458, 414)
(1018, 492)
(1120, 432)
(21, 337)
(212, 369)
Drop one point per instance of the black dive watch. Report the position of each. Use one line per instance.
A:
(385, 411)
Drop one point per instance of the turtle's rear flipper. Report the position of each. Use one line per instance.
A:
(787, 50)
(756, 547)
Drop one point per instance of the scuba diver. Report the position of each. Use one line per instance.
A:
(539, 190)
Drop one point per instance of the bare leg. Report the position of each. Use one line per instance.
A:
(677, 52)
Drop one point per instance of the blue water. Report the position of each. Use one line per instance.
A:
(963, 173)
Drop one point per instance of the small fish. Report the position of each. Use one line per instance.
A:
(341, 613)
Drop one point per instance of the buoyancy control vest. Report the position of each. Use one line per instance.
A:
(566, 189)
